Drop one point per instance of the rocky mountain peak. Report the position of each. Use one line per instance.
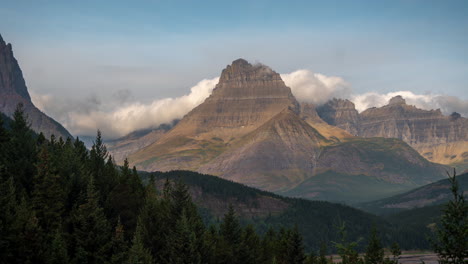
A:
(2, 42)
(397, 100)
(341, 113)
(242, 71)
(13, 91)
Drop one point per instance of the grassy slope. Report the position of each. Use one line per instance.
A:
(429, 195)
(360, 170)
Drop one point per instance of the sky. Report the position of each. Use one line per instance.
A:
(91, 64)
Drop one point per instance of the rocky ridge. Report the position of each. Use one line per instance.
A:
(13, 91)
(439, 138)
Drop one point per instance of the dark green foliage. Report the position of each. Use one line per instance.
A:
(70, 205)
(138, 253)
(346, 249)
(451, 243)
(21, 152)
(91, 229)
(374, 251)
(396, 252)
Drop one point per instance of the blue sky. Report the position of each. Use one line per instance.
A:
(158, 49)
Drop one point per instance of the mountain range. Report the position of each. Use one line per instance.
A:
(252, 130)
(439, 138)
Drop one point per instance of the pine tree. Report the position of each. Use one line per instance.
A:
(184, 244)
(119, 247)
(8, 207)
(27, 242)
(58, 250)
(396, 252)
(269, 246)
(374, 251)
(21, 152)
(250, 246)
(295, 247)
(452, 234)
(230, 232)
(91, 229)
(48, 194)
(138, 253)
(347, 250)
(322, 259)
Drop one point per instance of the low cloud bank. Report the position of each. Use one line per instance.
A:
(119, 114)
(85, 117)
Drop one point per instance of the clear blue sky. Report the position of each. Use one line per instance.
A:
(156, 49)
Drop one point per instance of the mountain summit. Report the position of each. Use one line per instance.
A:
(13, 91)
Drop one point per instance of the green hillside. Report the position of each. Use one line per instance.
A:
(316, 220)
(428, 195)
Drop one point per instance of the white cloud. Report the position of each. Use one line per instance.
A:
(447, 104)
(115, 116)
(84, 118)
(315, 87)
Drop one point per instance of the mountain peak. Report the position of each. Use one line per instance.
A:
(397, 100)
(241, 71)
(2, 42)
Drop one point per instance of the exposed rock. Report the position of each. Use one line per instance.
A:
(13, 91)
(439, 138)
(340, 113)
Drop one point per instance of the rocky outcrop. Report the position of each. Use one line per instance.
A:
(439, 138)
(430, 132)
(13, 91)
(340, 113)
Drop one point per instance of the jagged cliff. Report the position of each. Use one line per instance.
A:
(13, 91)
(439, 138)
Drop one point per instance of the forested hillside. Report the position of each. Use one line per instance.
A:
(62, 203)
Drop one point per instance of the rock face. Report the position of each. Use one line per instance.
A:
(13, 91)
(246, 96)
(253, 131)
(439, 138)
(340, 113)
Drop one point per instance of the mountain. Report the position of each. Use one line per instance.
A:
(439, 138)
(263, 209)
(429, 195)
(13, 91)
(121, 148)
(252, 130)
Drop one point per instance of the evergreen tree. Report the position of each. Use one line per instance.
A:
(8, 207)
(58, 250)
(374, 251)
(48, 194)
(452, 234)
(138, 253)
(230, 232)
(91, 229)
(21, 152)
(295, 247)
(28, 247)
(323, 254)
(347, 250)
(119, 247)
(184, 244)
(250, 251)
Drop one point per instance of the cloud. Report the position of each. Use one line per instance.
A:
(86, 116)
(315, 87)
(119, 113)
(446, 103)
